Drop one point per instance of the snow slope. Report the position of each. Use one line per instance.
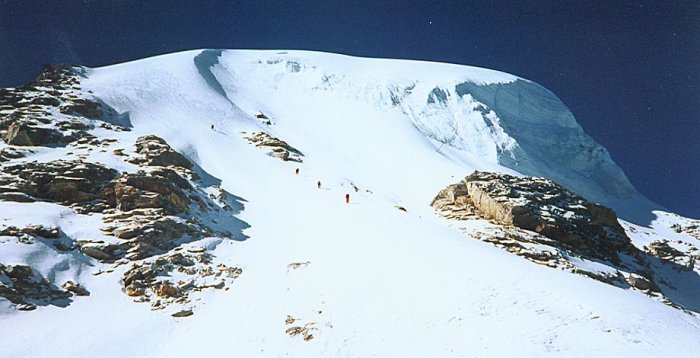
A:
(380, 282)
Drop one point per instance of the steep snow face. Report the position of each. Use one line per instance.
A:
(496, 117)
(550, 142)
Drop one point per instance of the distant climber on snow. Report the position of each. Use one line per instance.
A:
(296, 171)
(318, 184)
(347, 198)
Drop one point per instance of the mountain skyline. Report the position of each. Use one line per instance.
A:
(627, 71)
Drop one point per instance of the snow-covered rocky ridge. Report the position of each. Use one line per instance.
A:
(157, 208)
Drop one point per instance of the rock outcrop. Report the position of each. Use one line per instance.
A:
(160, 188)
(27, 114)
(68, 182)
(25, 134)
(141, 234)
(685, 259)
(7, 154)
(278, 148)
(170, 279)
(153, 150)
(692, 228)
(542, 206)
(543, 222)
(27, 289)
(148, 214)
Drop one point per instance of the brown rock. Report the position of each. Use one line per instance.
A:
(538, 205)
(160, 189)
(82, 107)
(41, 231)
(64, 181)
(156, 151)
(168, 290)
(100, 252)
(75, 288)
(132, 291)
(279, 148)
(25, 135)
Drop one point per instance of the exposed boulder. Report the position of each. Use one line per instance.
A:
(7, 154)
(263, 118)
(82, 107)
(15, 196)
(154, 150)
(641, 283)
(100, 251)
(182, 313)
(542, 206)
(75, 288)
(22, 134)
(278, 148)
(51, 232)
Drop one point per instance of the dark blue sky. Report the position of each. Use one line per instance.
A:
(627, 69)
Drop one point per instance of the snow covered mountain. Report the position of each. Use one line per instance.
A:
(153, 208)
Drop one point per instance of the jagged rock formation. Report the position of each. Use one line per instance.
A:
(279, 148)
(542, 206)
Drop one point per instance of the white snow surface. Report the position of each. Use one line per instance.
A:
(380, 282)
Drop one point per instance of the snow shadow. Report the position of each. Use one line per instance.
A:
(678, 283)
(55, 254)
(112, 116)
(204, 62)
(224, 205)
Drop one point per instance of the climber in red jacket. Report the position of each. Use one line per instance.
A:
(347, 198)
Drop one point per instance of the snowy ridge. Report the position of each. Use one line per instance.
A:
(382, 275)
(495, 116)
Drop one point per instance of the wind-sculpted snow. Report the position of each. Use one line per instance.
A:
(506, 120)
(204, 62)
